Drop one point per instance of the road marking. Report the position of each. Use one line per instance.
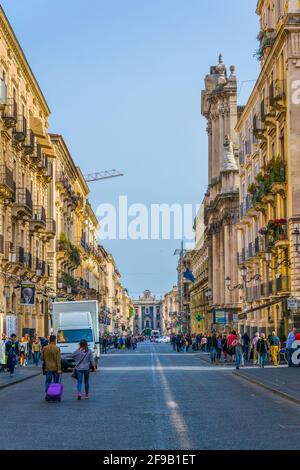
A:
(176, 417)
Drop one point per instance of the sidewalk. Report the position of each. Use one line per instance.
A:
(21, 374)
(284, 381)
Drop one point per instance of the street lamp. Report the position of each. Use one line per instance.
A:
(209, 293)
(246, 281)
(296, 235)
(269, 256)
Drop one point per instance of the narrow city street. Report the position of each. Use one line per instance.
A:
(151, 398)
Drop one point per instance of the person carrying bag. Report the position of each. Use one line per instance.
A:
(84, 362)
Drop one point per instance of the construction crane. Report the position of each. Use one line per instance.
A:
(102, 175)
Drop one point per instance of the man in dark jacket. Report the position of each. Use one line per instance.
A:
(12, 351)
(262, 349)
(246, 346)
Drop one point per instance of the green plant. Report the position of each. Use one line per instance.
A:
(72, 250)
(74, 255)
(69, 280)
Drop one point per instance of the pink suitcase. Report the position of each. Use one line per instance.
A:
(55, 391)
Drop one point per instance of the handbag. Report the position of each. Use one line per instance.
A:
(75, 371)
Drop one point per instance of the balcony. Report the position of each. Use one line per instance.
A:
(20, 130)
(10, 114)
(7, 184)
(277, 95)
(37, 154)
(23, 203)
(29, 142)
(259, 128)
(3, 94)
(248, 147)
(42, 268)
(38, 220)
(241, 157)
(282, 284)
(241, 257)
(51, 227)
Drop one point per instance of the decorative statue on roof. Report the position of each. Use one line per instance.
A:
(229, 158)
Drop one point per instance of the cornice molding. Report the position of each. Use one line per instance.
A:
(13, 43)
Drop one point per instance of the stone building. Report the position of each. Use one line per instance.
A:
(221, 202)
(170, 312)
(269, 141)
(199, 291)
(26, 218)
(147, 313)
(48, 231)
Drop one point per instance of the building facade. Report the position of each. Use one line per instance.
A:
(26, 160)
(49, 244)
(170, 312)
(147, 314)
(199, 291)
(221, 202)
(269, 142)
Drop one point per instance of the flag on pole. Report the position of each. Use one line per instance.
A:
(188, 274)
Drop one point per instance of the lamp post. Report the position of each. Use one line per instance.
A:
(296, 235)
(181, 252)
(285, 261)
(246, 281)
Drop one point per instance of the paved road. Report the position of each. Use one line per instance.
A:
(150, 399)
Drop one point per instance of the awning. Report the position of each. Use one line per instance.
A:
(37, 128)
(260, 307)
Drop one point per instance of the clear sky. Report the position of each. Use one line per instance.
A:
(123, 80)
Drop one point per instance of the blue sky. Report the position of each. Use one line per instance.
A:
(123, 80)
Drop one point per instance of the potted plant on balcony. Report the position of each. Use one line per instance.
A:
(252, 188)
(263, 231)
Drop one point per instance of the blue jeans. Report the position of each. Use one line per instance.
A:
(238, 358)
(83, 374)
(262, 358)
(213, 354)
(290, 352)
(246, 352)
(36, 357)
(51, 376)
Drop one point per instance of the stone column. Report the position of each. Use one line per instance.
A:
(227, 267)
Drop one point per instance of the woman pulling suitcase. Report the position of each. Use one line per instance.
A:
(84, 362)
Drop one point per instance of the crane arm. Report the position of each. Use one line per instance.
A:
(102, 175)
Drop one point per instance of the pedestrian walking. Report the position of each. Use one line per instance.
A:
(173, 342)
(52, 363)
(254, 348)
(104, 344)
(225, 346)
(262, 349)
(29, 342)
(246, 346)
(219, 347)
(23, 347)
(12, 353)
(274, 344)
(85, 362)
(231, 349)
(204, 344)
(3, 358)
(183, 344)
(213, 348)
(289, 345)
(36, 350)
(237, 344)
(178, 343)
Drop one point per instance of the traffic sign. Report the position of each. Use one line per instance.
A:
(292, 303)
